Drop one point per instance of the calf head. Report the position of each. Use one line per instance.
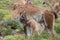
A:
(22, 19)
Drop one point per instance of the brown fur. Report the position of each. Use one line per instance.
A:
(32, 23)
(36, 27)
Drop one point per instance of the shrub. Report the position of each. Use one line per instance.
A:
(5, 31)
(9, 24)
(13, 24)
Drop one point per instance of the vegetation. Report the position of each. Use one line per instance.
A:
(4, 3)
(6, 24)
(44, 36)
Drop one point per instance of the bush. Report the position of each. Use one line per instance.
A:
(8, 23)
(7, 26)
(5, 31)
(12, 23)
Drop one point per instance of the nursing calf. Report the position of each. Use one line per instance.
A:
(33, 27)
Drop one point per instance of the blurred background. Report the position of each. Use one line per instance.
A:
(12, 30)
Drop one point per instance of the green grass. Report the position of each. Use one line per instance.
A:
(5, 11)
(43, 36)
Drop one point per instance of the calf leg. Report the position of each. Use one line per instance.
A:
(25, 30)
(28, 31)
